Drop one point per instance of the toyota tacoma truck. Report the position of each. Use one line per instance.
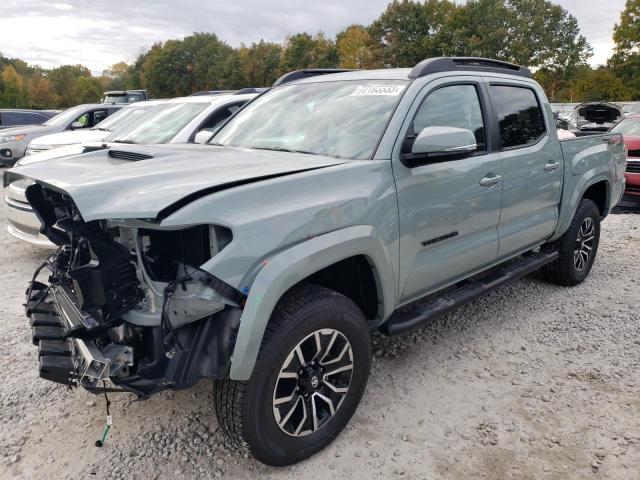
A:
(328, 207)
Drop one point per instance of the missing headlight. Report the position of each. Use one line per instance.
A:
(164, 251)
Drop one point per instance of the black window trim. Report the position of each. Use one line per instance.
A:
(497, 120)
(483, 98)
(239, 104)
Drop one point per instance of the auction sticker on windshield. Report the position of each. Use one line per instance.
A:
(367, 90)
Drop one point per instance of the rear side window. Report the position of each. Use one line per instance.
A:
(519, 115)
(452, 106)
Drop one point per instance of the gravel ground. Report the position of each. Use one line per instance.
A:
(530, 381)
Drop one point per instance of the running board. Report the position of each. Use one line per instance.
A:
(405, 320)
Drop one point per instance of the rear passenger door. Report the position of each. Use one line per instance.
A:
(531, 166)
(448, 210)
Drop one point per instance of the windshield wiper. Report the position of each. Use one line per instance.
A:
(282, 149)
(102, 129)
(126, 141)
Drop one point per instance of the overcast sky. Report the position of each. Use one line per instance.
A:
(99, 33)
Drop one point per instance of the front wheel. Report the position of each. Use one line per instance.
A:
(308, 380)
(577, 247)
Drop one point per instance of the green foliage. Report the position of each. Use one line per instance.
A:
(536, 33)
(408, 32)
(14, 94)
(260, 63)
(356, 48)
(625, 62)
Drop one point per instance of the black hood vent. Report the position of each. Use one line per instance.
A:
(129, 156)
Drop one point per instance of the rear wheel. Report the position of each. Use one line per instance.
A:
(308, 380)
(577, 247)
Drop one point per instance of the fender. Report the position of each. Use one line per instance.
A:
(578, 185)
(294, 265)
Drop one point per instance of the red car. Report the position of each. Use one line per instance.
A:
(630, 129)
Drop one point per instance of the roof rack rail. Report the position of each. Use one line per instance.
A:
(308, 72)
(452, 64)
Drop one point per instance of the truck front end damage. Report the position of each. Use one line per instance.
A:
(128, 302)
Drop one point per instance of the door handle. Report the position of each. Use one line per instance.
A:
(550, 167)
(490, 181)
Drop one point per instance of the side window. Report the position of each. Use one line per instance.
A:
(219, 116)
(453, 106)
(98, 116)
(519, 115)
(83, 120)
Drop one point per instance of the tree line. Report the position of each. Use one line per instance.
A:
(536, 33)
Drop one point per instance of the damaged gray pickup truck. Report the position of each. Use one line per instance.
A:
(330, 206)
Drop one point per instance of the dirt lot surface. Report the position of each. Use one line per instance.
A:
(530, 381)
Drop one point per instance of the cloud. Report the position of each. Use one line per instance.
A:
(97, 34)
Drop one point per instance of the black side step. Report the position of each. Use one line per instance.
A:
(405, 320)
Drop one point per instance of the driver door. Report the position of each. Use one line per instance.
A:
(449, 210)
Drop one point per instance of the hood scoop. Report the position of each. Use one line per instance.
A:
(129, 156)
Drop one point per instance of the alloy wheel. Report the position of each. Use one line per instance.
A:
(584, 244)
(313, 382)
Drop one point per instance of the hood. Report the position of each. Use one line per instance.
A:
(72, 136)
(63, 151)
(598, 113)
(152, 182)
(25, 130)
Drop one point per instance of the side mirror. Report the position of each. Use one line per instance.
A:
(440, 144)
(76, 125)
(203, 136)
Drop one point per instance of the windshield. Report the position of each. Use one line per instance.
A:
(66, 117)
(158, 124)
(630, 127)
(122, 119)
(339, 119)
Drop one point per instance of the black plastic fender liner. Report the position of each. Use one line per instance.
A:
(207, 346)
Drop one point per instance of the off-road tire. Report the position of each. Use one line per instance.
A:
(563, 271)
(245, 410)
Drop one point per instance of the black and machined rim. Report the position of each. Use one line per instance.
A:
(584, 244)
(313, 382)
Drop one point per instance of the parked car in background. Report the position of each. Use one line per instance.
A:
(14, 117)
(120, 120)
(178, 120)
(631, 108)
(597, 116)
(125, 96)
(630, 130)
(327, 208)
(14, 141)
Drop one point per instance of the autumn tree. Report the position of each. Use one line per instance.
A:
(88, 90)
(14, 94)
(117, 75)
(304, 51)
(356, 48)
(64, 80)
(41, 94)
(260, 63)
